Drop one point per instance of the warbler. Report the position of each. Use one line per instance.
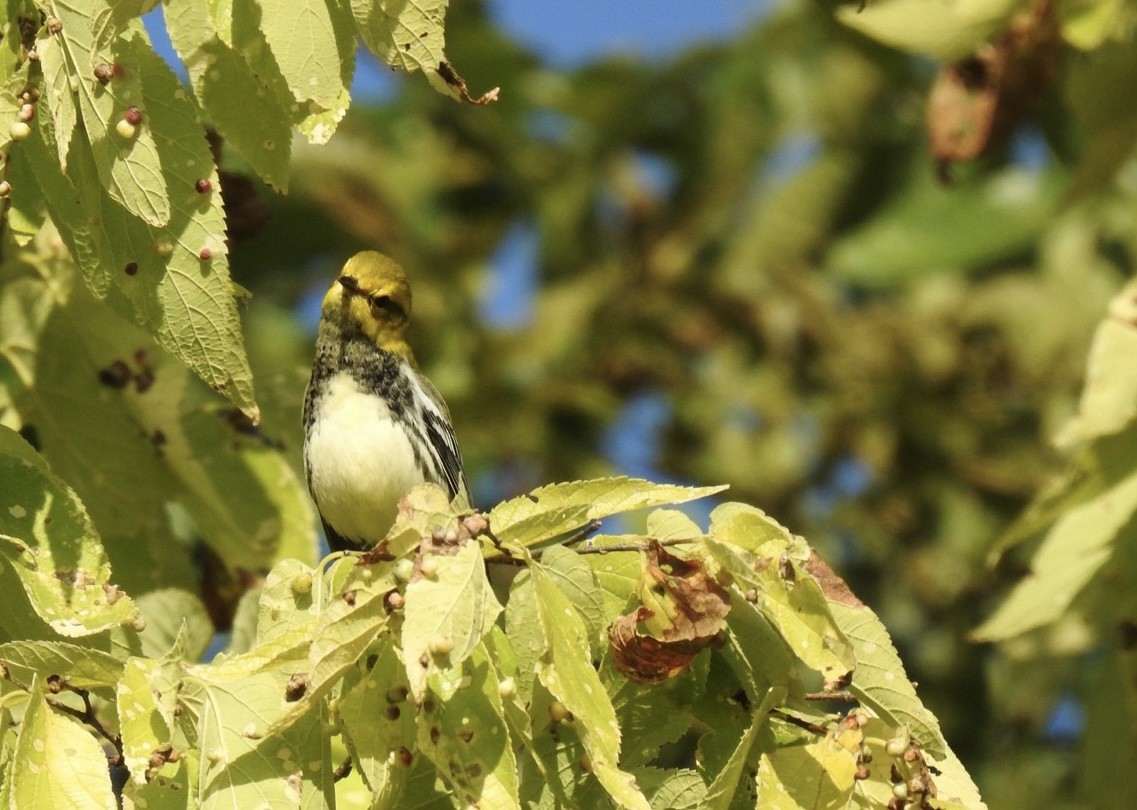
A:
(374, 426)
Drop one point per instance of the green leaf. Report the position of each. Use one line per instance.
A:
(63, 570)
(931, 229)
(558, 508)
(241, 766)
(128, 168)
(156, 276)
(81, 667)
(446, 614)
(881, 683)
(948, 31)
(342, 634)
(147, 697)
(171, 615)
(793, 604)
(679, 790)
(378, 721)
(721, 791)
(1076, 547)
(462, 729)
(1109, 398)
(61, 763)
(575, 578)
(302, 37)
(566, 671)
(810, 777)
(238, 101)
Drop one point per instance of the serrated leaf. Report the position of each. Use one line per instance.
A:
(147, 697)
(82, 667)
(949, 31)
(807, 777)
(156, 276)
(576, 580)
(241, 766)
(64, 569)
(1109, 398)
(58, 96)
(448, 612)
(172, 789)
(1075, 548)
(171, 615)
(61, 763)
(721, 791)
(881, 682)
(128, 168)
(238, 101)
(795, 606)
(302, 37)
(371, 732)
(345, 630)
(679, 790)
(566, 671)
(462, 729)
(558, 508)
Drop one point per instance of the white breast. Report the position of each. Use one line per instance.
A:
(359, 461)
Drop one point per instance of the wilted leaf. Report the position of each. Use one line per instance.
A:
(683, 613)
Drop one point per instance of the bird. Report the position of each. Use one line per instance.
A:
(374, 425)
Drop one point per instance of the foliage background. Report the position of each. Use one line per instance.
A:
(736, 264)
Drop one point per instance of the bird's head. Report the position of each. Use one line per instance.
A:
(372, 296)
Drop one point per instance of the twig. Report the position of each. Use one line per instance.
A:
(87, 715)
(583, 533)
(674, 541)
(342, 770)
(812, 728)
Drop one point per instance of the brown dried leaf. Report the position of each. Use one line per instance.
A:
(686, 613)
(977, 100)
(832, 586)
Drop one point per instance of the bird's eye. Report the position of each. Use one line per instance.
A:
(386, 304)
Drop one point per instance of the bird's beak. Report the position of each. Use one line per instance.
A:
(350, 284)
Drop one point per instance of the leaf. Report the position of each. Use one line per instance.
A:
(409, 36)
(63, 570)
(379, 726)
(446, 614)
(558, 508)
(172, 614)
(238, 101)
(881, 683)
(815, 776)
(1109, 398)
(61, 763)
(242, 767)
(683, 611)
(81, 667)
(302, 37)
(931, 229)
(575, 578)
(128, 168)
(786, 595)
(147, 697)
(566, 671)
(721, 791)
(948, 30)
(462, 729)
(343, 633)
(1075, 548)
(172, 280)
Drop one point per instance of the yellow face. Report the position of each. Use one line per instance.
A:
(373, 293)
